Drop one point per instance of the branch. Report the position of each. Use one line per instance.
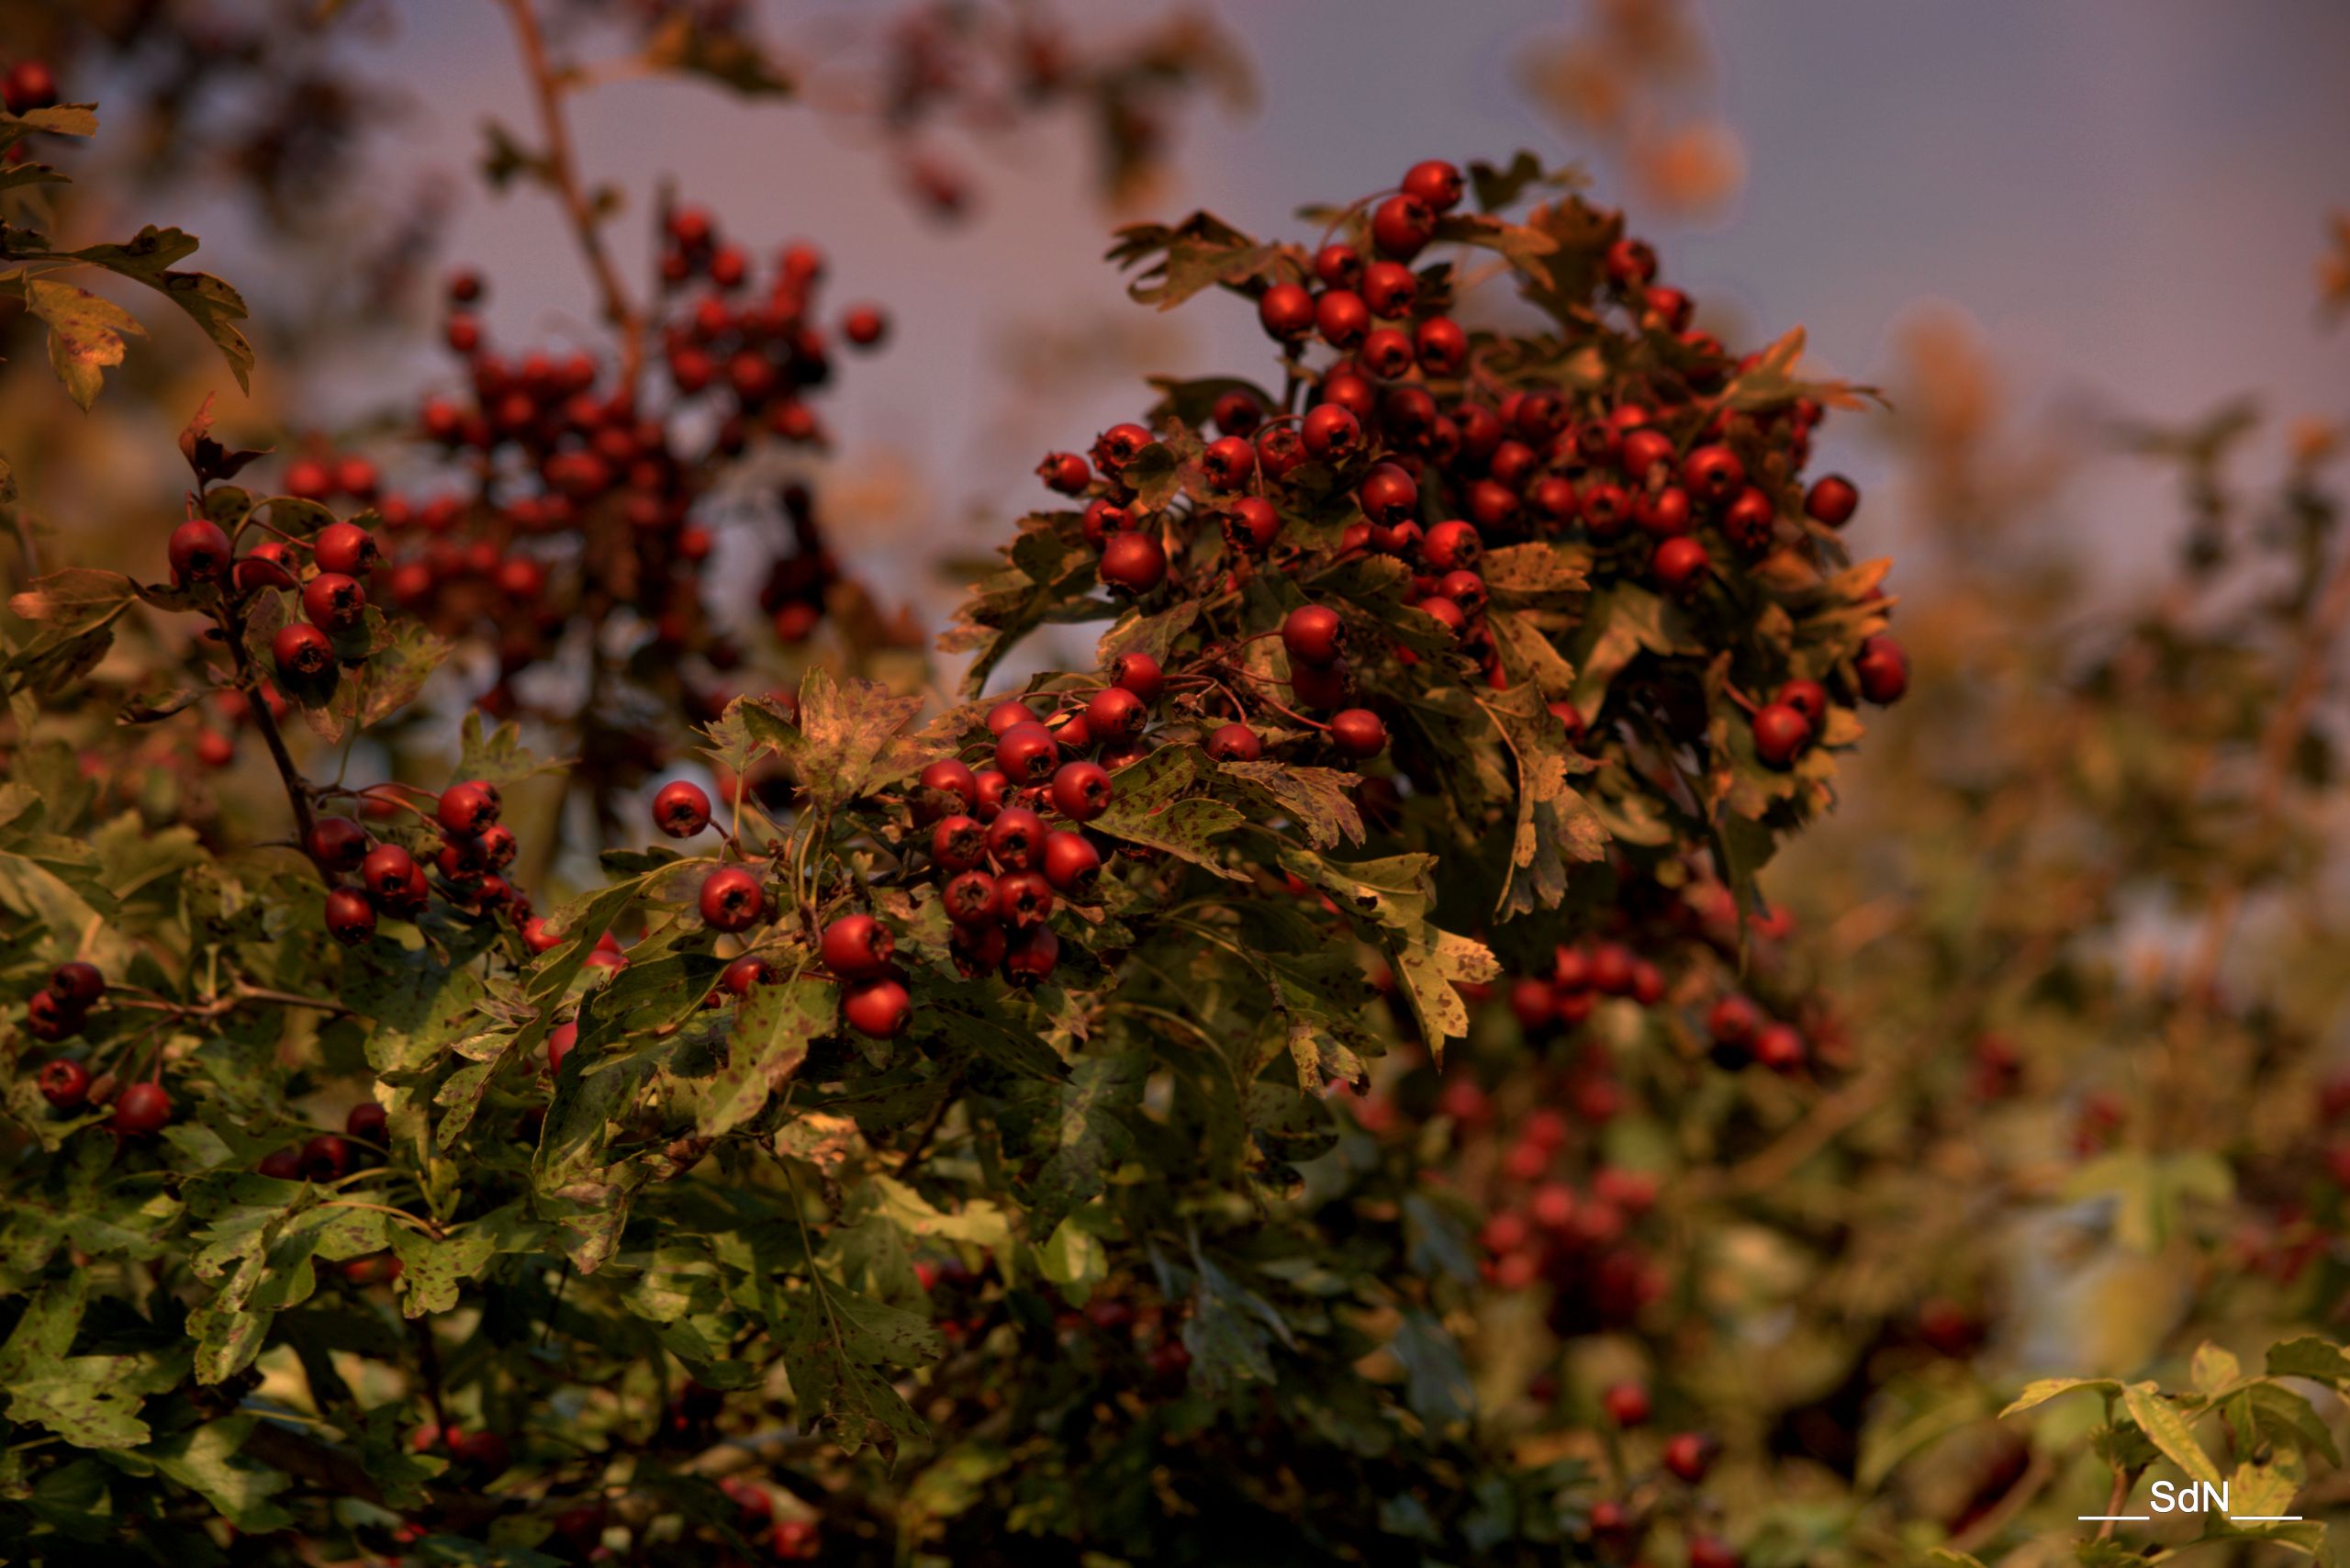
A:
(563, 174)
(297, 792)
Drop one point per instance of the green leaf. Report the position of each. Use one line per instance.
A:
(774, 1026)
(2311, 1358)
(717, 51)
(834, 1343)
(2284, 1416)
(215, 307)
(1148, 807)
(209, 1460)
(431, 1268)
(1069, 1136)
(2047, 1388)
(498, 757)
(86, 334)
(1497, 188)
(1555, 824)
(851, 739)
(1320, 800)
(1199, 252)
(80, 598)
(2167, 1431)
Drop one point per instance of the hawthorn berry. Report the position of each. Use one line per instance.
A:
(1435, 182)
(198, 551)
(856, 947)
(349, 918)
(1117, 446)
(1747, 522)
(1833, 499)
(1680, 564)
(1235, 742)
(1286, 311)
(1337, 266)
(1114, 713)
(141, 1108)
(1402, 227)
(1081, 790)
(1341, 318)
(560, 1039)
(338, 843)
(345, 548)
(1331, 433)
(1010, 711)
(969, 899)
(1440, 346)
(1023, 898)
(467, 808)
(1643, 450)
(366, 1121)
(1015, 838)
(270, 565)
(945, 780)
(865, 325)
(326, 1158)
(1713, 473)
(977, 947)
(1072, 863)
(386, 870)
(1780, 734)
(1389, 288)
(994, 791)
(958, 843)
(1779, 1048)
(1132, 563)
(1626, 1404)
(1387, 354)
(738, 978)
(1387, 495)
(65, 1084)
(30, 84)
(1452, 546)
(1029, 955)
(1027, 753)
(731, 899)
(301, 652)
(1882, 669)
(77, 984)
(1448, 614)
(680, 808)
(333, 602)
(1318, 686)
(1808, 697)
(1688, 1455)
(1065, 472)
(1138, 673)
(1359, 732)
(1227, 462)
(1313, 635)
(878, 1008)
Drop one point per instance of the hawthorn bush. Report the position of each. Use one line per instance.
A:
(1285, 1092)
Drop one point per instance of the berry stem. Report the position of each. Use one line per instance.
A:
(298, 792)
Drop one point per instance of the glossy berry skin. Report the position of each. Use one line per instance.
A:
(1441, 347)
(1882, 669)
(338, 843)
(1132, 563)
(1626, 1404)
(1680, 564)
(1071, 864)
(198, 552)
(349, 918)
(1387, 495)
(65, 1084)
(1235, 742)
(1749, 519)
(1466, 590)
(141, 1108)
(386, 870)
(1023, 898)
(1227, 462)
(969, 899)
(345, 548)
(994, 791)
(269, 565)
(366, 1121)
(1780, 734)
(1389, 288)
(1030, 956)
(1435, 182)
(1286, 311)
(1017, 838)
(1113, 713)
(1688, 1456)
(879, 1009)
(738, 978)
(1117, 446)
(1713, 473)
(1140, 674)
(1358, 733)
(333, 602)
(1008, 713)
(1337, 266)
(949, 779)
(1065, 472)
(979, 949)
(1448, 614)
(958, 843)
(1251, 524)
(467, 808)
(1081, 790)
(537, 936)
(1318, 686)
(1732, 1022)
(301, 652)
(1341, 318)
(1833, 499)
(1808, 697)
(681, 808)
(1452, 546)
(1402, 227)
(1779, 1046)
(731, 899)
(1313, 635)
(1027, 753)
(858, 946)
(77, 984)
(1642, 450)
(1331, 433)
(560, 1039)
(326, 1158)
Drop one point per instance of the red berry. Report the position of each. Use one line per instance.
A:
(1071, 864)
(326, 1158)
(1023, 898)
(1402, 226)
(865, 325)
(858, 946)
(1081, 790)
(1140, 674)
(1688, 1456)
(958, 843)
(1029, 958)
(1780, 734)
(1732, 1022)
(1747, 520)
(467, 808)
(1466, 590)
(1286, 311)
(1117, 446)
(1132, 563)
(1626, 1404)
(345, 548)
(1713, 473)
(1435, 182)
(1833, 500)
(1711, 1552)
(1251, 524)
(1440, 345)
(65, 1084)
(30, 84)
(1010, 711)
(1387, 495)
(349, 918)
(1664, 514)
(1235, 742)
(731, 899)
(879, 1009)
(1679, 564)
(1779, 1048)
(1027, 753)
(1114, 713)
(1318, 686)
(1447, 613)
(1359, 732)
(50, 1017)
(76, 984)
(944, 782)
(1630, 264)
(1452, 546)
(1065, 472)
(386, 869)
(1389, 288)
(739, 977)
(338, 843)
(1227, 462)
(1386, 353)
(681, 808)
(1808, 697)
(1238, 412)
(1313, 635)
(198, 552)
(1017, 838)
(1331, 433)
(994, 791)
(1883, 670)
(366, 1121)
(1337, 266)
(141, 1108)
(333, 602)
(1341, 318)
(969, 899)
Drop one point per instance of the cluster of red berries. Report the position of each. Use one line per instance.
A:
(60, 1011)
(471, 847)
(307, 653)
